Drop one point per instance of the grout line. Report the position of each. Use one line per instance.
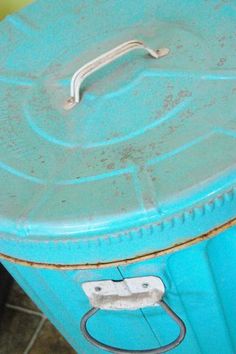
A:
(35, 336)
(22, 309)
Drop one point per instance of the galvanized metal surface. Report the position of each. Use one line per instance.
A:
(146, 160)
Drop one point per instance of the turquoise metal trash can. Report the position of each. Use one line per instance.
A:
(118, 171)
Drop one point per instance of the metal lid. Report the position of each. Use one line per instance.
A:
(140, 163)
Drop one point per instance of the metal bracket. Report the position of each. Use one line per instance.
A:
(127, 294)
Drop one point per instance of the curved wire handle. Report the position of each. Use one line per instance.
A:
(103, 60)
(163, 349)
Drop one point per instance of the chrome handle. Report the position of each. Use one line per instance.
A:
(162, 349)
(103, 60)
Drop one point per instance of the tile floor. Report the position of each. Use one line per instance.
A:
(25, 330)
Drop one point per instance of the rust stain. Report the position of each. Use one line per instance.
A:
(179, 246)
(221, 62)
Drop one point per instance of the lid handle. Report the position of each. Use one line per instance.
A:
(103, 60)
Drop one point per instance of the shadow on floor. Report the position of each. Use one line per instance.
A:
(25, 330)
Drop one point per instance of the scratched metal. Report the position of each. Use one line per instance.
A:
(147, 160)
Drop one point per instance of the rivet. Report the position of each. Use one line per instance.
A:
(97, 288)
(145, 285)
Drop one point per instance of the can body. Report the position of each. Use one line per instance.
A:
(200, 286)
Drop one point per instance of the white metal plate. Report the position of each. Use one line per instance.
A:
(130, 293)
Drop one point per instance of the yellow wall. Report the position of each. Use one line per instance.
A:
(8, 6)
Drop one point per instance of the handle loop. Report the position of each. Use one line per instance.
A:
(103, 60)
(163, 349)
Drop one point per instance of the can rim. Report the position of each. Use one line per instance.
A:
(177, 247)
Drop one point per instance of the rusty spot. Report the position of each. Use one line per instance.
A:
(111, 166)
(222, 3)
(179, 246)
(221, 62)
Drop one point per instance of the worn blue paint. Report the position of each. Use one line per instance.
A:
(200, 286)
(146, 161)
(150, 148)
